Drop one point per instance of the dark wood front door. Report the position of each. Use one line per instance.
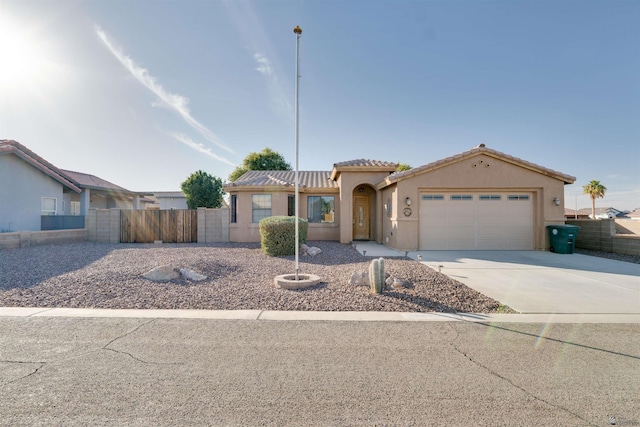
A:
(361, 217)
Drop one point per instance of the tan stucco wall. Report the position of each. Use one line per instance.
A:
(347, 182)
(243, 230)
(463, 176)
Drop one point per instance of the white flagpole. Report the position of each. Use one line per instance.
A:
(298, 32)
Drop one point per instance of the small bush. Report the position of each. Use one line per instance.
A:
(278, 234)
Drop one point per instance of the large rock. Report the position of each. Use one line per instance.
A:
(359, 279)
(309, 250)
(164, 273)
(192, 275)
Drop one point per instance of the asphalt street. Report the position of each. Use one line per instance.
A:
(63, 371)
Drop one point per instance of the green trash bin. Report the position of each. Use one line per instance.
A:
(562, 238)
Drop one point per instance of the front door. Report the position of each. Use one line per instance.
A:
(361, 217)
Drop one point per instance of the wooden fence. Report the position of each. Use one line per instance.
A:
(169, 226)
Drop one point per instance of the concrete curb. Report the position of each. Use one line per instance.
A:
(340, 316)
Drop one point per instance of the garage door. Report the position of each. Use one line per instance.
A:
(476, 221)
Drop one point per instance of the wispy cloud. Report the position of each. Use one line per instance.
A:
(198, 147)
(276, 92)
(177, 103)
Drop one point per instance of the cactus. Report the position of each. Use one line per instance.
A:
(376, 275)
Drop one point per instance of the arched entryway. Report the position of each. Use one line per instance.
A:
(363, 202)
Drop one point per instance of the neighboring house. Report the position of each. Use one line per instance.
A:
(478, 199)
(635, 215)
(601, 213)
(573, 214)
(98, 193)
(166, 200)
(30, 187)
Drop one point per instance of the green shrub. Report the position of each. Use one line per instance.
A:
(278, 234)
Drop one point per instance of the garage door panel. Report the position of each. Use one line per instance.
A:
(494, 221)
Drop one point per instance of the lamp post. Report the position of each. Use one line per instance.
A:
(298, 32)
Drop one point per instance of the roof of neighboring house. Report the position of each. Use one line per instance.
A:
(633, 214)
(306, 179)
(92, 182)
(480, 149)
(14, 147)
(606, 210)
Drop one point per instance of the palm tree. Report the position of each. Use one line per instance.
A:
(594, 189)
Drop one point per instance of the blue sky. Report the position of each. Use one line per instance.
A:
(143, 93)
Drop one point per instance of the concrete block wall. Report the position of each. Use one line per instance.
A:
(600, 235)
(213, 225)
(103, 225)
(628, 244)
(21, 239)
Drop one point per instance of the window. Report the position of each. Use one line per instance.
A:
(74, 208)
(432, 197)
(49, 206)
(234, 208)
(291, 205)
(519, 197)
(320, 208)
(489, 197)
(461, 197)
(260, 207)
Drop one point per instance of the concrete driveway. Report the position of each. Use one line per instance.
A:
(544, 282)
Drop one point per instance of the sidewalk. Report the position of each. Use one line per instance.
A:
(338, 316)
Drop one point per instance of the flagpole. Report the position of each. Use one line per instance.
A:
(298, 32)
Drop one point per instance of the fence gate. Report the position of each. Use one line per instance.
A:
(169, 226)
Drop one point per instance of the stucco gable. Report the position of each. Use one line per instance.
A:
(31, 158)
(476, 151)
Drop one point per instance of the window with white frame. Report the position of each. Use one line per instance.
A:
(260, 207)
(321, 209)
(49, 206)
(74, 208)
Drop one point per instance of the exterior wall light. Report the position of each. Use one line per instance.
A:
(408, 201)
(556, 201)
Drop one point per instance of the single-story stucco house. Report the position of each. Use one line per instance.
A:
(476, 200)
(32, 188)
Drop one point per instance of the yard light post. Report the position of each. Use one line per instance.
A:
(298, 32)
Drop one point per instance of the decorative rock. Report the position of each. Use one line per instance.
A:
(192, 275)
(401, 282)
(389, 282)
(309, 250)
(164, 273)
(359, 279)
(313, 251)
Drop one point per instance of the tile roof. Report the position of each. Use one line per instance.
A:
(365, 163)
(13, 147)
(397, 176)
(306, 179)
(93, 182)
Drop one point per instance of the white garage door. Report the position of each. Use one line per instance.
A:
(478, 220)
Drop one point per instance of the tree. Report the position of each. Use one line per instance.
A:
(595, 190)
(202, 190)
(265, 160)
(403, 167)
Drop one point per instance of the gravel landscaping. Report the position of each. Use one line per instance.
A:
(240, 276)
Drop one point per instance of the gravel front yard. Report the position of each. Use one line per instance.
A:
(240, 276)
